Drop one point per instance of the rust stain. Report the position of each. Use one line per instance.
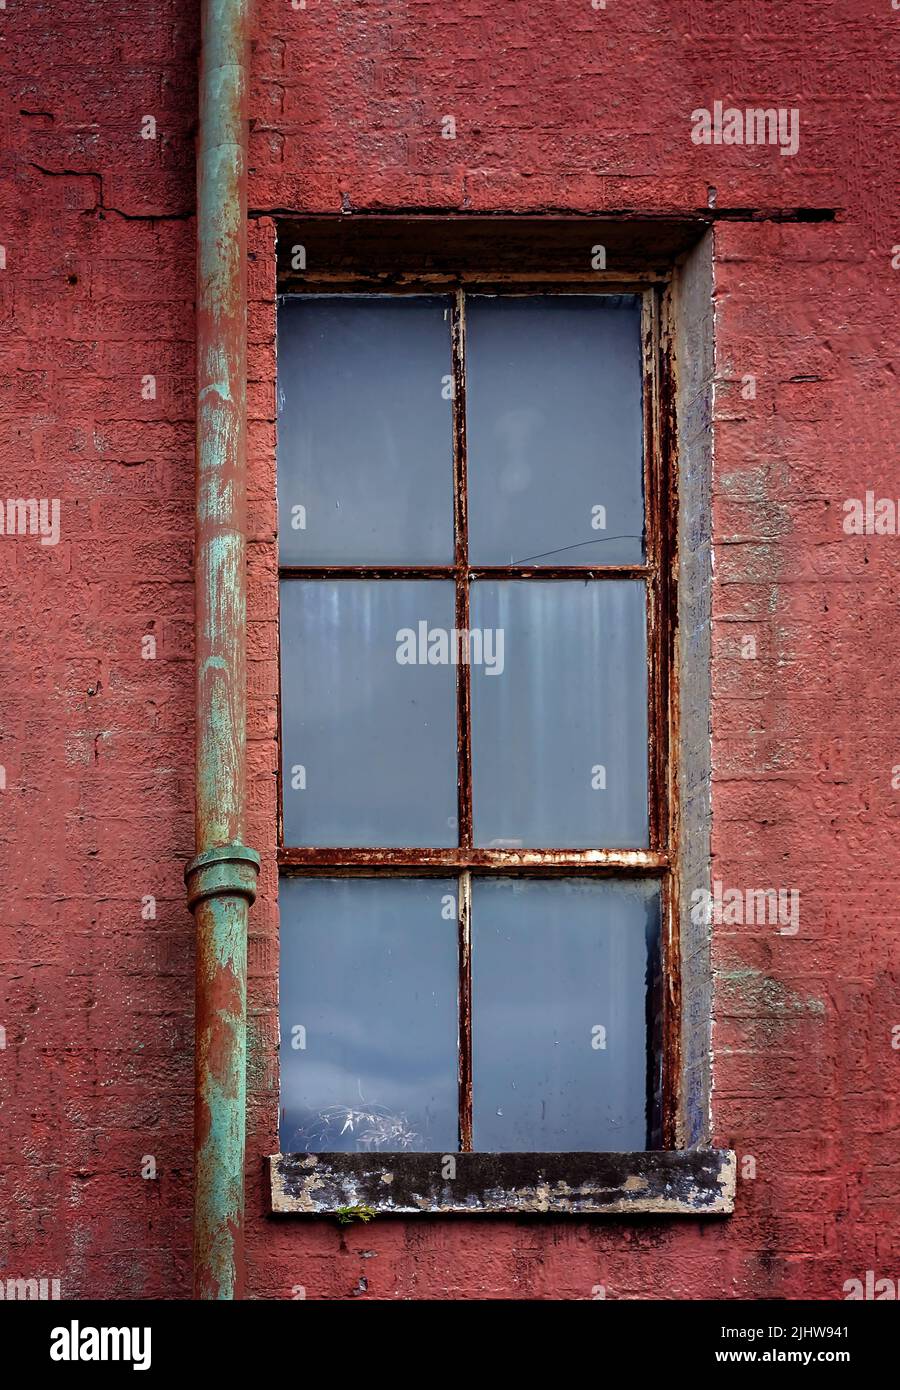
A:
(328, 860)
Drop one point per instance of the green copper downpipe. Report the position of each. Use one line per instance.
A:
(221, 879)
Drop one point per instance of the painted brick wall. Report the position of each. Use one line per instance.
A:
(558, 106)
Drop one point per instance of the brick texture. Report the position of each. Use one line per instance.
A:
(558, 107)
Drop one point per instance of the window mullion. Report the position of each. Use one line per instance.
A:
(657, 712)
(461, 533)
(465, 1012)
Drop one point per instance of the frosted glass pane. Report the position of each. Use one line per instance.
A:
(563, 972)
(369, 1001)
(369, 742)
(554, 428)
(365, 431)
(559, 731)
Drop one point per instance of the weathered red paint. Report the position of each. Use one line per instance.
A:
(557, 108)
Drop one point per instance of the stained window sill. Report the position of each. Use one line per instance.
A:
(688, 1182)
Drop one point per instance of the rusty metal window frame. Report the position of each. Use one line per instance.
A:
(659, 574)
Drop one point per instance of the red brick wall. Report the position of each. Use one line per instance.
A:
(558, 107)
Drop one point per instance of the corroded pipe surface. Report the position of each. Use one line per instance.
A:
(221, 880)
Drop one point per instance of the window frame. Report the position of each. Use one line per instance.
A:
(659, 573)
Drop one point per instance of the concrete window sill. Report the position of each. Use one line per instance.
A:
(690, 1182)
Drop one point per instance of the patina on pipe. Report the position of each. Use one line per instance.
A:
(221, 880)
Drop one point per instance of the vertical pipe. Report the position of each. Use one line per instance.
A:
(221, 879)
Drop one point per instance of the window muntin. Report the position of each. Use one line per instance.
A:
(374, 817)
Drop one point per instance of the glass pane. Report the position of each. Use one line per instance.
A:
(554, 429)
(559, 723)
(365, 433)
(368, 725)
(564, 977)
(369, 1010)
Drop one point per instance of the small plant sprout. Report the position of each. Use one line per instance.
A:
(359, 1212)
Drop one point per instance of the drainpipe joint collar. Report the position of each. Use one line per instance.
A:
(226, 871)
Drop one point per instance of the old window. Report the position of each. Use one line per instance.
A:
(475, 783)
